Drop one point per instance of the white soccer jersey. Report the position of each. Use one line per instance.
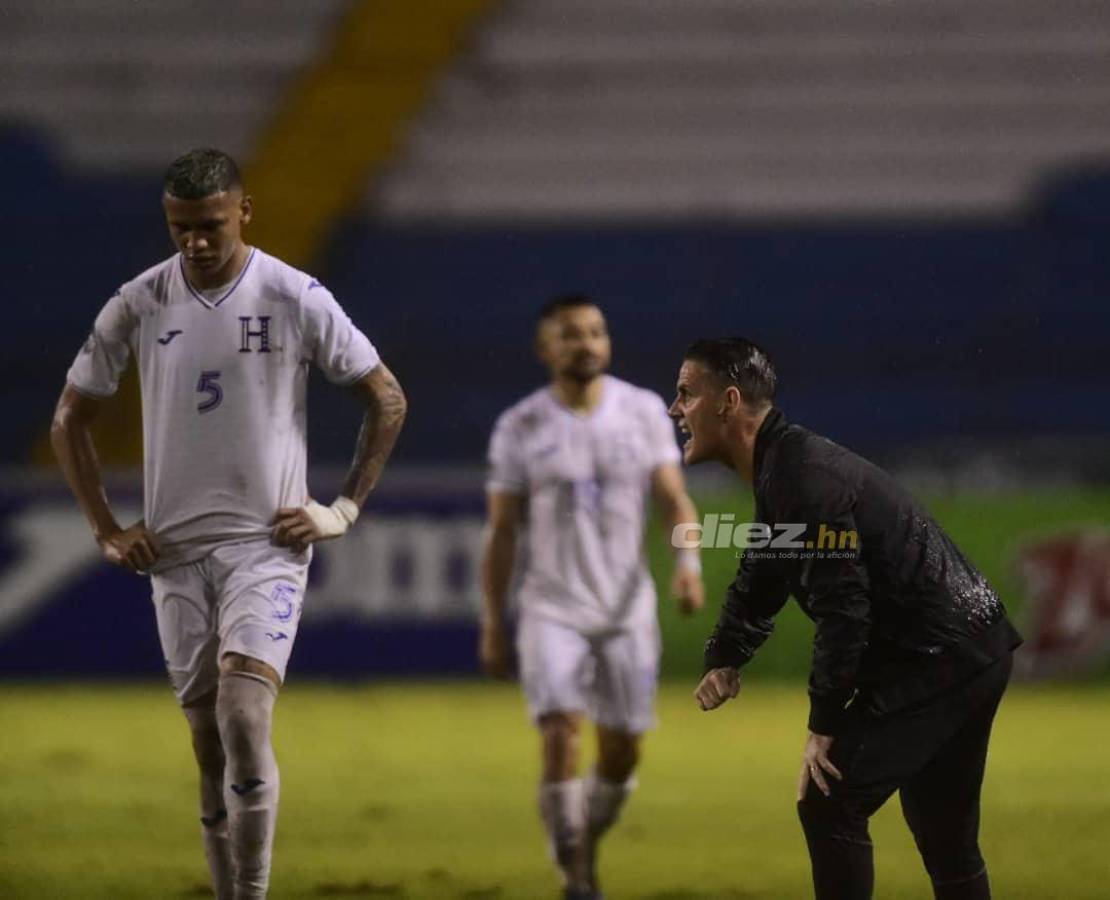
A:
(223, 386)
(586, 480)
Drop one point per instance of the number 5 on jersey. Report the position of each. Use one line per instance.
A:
(209, 384)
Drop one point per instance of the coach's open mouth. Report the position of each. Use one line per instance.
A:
(686, 432)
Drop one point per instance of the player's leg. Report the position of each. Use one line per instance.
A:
(561, 795)
(261, 590)
(627, 666)
(209, 752)
(554, 670)
(244, 712)
(941, 803)
(186, 615)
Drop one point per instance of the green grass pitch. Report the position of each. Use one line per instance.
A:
(426, 790)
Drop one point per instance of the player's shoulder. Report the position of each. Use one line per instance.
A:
(283, 283)
(526, 413)
(635, 398)
(151, 285)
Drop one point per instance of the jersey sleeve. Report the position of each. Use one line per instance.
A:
(331, 340)
(506, 461)
(664, 447)
(103, 357)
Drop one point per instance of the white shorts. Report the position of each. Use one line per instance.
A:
(242, 598)
(610, 677)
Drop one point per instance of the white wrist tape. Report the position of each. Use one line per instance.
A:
(332, 521)
(688, 560)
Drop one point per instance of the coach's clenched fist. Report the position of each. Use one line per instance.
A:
(717, 686)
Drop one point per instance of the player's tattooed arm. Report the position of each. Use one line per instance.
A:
(505, 514)
(299, 526)
(71, 437)
(386, 408)
(676, 509)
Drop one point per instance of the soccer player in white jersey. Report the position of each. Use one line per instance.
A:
(223, 335)
(572, 466)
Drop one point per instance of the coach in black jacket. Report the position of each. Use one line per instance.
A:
(912, 650)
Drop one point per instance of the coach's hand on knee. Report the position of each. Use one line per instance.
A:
(816, 764)
(717, 686)
(132, 548)
(299, 526)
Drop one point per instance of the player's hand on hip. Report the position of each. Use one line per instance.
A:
(299, 526)
(132, 548)
(816, 765)
(688, 589)
(493, 650)
(717, 686)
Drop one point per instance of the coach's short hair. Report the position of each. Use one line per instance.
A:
(556, 305)
(739, 362)
(201, 173)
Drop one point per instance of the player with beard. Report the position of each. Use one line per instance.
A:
(571, 468)
(912, 646)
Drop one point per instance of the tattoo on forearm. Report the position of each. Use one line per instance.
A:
(385, 414)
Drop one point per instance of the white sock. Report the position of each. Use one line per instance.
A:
(244, 710)
(213, 815)
(563, 810)
(604, 800)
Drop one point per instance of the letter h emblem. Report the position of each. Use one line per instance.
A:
(263, 334)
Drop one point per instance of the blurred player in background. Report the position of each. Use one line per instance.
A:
(912, 650)
(223, 335)
(571, 468)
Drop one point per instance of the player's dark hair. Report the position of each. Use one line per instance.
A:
(556, 305)
(739, 362)
(201, 173)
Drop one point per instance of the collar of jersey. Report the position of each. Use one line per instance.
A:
(212, 304)
(592, 414)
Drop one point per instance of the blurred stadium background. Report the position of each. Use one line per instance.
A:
(907, 202)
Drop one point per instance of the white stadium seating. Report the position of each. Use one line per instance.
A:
(120, 85)
(594, 109)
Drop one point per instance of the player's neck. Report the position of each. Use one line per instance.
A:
(580, 397)
(227, 273)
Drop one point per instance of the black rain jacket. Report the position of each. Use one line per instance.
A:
(900, 617)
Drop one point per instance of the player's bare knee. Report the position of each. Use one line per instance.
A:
(560, 733)
(208, 747)
(205, 732)
(618, 755)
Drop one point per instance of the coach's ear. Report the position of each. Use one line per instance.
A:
(731, 402)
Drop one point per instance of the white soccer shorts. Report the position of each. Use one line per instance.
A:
(242, 598)
(610, 677)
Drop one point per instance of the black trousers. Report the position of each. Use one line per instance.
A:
(934, 755)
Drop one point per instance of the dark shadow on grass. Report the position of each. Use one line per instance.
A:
(376, 812)
(682, 894)
(67, 758)
(364, 888)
